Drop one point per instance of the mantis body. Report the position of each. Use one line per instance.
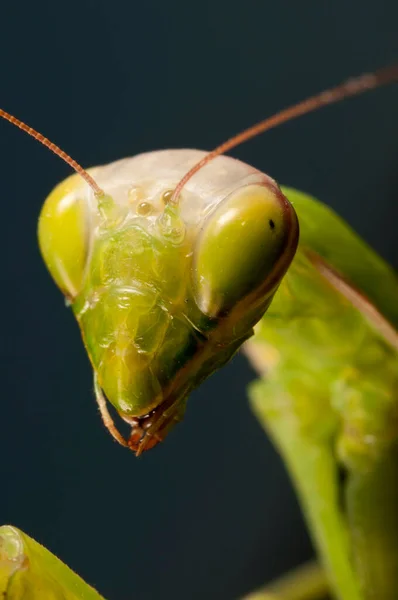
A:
(327, 351)
(168, 266)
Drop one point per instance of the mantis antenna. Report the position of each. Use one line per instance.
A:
(352, 87)
(56, 149)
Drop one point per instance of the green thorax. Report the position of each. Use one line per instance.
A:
(324, 232)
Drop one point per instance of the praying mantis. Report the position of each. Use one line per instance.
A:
(171, 260)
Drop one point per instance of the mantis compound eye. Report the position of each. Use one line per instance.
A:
(241, 250)
(64, 236)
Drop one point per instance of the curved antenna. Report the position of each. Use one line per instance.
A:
(54, 148)
(352, 87)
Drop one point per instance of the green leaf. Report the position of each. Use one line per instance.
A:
(28, 571)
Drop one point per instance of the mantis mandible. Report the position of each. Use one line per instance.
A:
(168, 260)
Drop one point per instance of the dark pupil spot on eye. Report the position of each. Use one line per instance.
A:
(271, 224)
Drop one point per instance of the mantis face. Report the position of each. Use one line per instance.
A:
(165, 294)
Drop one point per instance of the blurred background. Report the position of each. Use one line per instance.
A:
(210, 513)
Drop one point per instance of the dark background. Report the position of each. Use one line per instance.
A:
(209, 514)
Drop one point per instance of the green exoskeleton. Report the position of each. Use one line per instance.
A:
(168, 265)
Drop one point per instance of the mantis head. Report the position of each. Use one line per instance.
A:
(165, 293)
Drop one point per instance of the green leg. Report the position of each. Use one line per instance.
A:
(308, 582)
(372, 509)
(314, 472)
